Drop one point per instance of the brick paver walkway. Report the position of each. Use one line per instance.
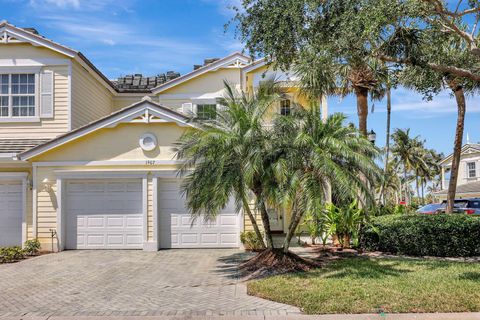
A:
(122, 283)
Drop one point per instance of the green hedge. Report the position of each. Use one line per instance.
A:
(423, 235)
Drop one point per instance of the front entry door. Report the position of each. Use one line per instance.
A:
(276, 219)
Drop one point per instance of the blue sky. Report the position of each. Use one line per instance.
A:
(153, 36)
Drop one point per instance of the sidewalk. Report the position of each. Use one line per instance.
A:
(405, 316)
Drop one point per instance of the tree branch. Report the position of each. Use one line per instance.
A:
(448, 23)
(454, 71)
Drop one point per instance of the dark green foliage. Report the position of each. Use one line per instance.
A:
(250, 240)
(31, 247)
(424, 235)
(11, 254)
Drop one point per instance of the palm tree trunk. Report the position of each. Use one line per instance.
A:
(405, 188)
(457, 149)
(362, 109)
(266, 223)
(387, 144)
(416, 184)
(246, 207)
(296, 217)
(423, 192)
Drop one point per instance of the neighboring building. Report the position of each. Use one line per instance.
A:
(468, 182)
(90, 162)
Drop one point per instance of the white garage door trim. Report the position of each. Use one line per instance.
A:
(63, 175)
(19, 176)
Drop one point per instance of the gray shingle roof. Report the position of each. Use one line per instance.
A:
(19, 145)
(464, 188)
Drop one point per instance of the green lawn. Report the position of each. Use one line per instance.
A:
(361, 285)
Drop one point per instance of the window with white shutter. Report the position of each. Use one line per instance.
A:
(46, 94)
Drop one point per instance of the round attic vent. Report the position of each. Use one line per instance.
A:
(148, 141)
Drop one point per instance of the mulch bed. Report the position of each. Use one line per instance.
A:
(274, 261)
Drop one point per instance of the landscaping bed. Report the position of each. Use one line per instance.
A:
(376, 285)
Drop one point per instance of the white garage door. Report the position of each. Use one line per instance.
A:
(104, 214)
(176, 229)
(10, 213)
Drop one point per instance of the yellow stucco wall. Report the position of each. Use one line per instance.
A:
(119, 143)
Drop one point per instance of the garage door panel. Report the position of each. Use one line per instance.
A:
(11, 210)
(109, 218)
(177, 231)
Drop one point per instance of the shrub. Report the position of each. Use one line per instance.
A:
(31, 247)
(250, 240)
(424, 235)
(11, 254)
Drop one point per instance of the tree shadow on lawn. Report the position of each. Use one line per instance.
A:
(472, 276)
(362, 268)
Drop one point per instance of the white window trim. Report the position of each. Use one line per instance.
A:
(22, 70)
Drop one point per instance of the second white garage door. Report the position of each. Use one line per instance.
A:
(176, 229)
(10, 213)
(104, 214)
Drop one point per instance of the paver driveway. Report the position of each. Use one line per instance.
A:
(170, 282)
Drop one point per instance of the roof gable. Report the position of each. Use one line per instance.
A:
(12, 34)
(235, 60)
(466, 149)
(144, 111)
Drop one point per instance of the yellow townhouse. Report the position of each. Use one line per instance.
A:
(89, 163)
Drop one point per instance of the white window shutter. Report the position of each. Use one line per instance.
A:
(46, 94)
(466, 170)
(187, 108)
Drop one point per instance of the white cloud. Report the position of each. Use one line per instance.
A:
(226, 7)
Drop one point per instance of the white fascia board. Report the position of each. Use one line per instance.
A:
(99, 174)
(140, 162)
(196, 73)
(108, 122)
(255, 65)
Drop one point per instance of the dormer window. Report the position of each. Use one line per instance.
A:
(17, 95)
(285, 108)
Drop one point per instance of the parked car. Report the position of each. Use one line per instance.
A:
(463, 206)
(430, 208)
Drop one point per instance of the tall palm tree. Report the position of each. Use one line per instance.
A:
(227, 157)
(407, 152)
(317, 155)
(324, 74)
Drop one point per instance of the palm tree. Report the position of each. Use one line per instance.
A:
(227, 157)
(322, 74)
(318, 154)
(407, 152)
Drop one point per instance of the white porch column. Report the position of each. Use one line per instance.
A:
(60, 215)
(443, 178)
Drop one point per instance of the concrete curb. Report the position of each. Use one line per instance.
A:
(404, 316)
